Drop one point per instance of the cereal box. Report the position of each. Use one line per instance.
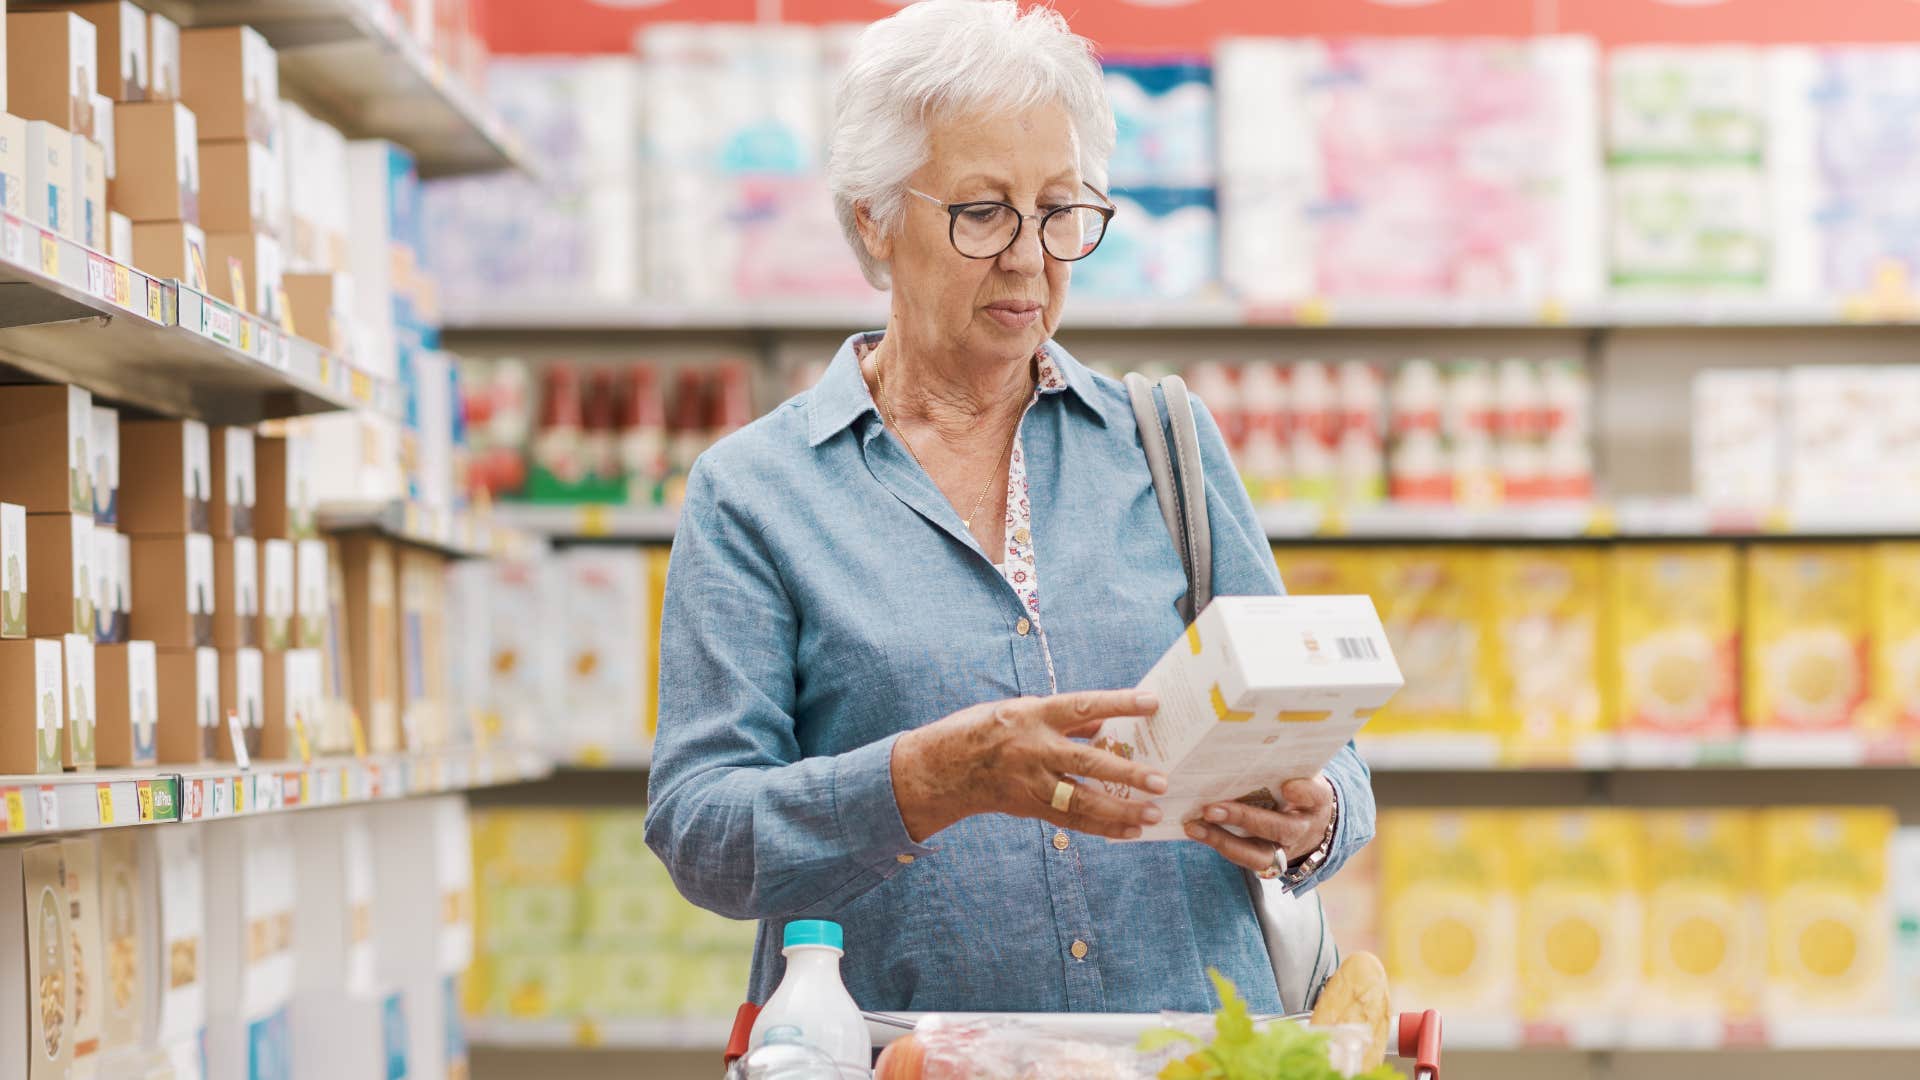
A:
(1677, 629)
(82, 857)
(1808, 622)
(1703, 919)
(1449, 928)
(1579, 913)
(1544, 606)
(1430, 603)
(1903, 863)
(1825, 882)
(1895, 595)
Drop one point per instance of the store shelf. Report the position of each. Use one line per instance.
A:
(1683, 1034)
(592, 521)
(354, 65)
(561, 315)
(461, 534)
(501, 1033)
(1469, 753)
(116, 798)
(70, 314)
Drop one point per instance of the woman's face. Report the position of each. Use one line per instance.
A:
(1002, 307)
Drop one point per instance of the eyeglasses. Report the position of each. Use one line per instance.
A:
(984, 229)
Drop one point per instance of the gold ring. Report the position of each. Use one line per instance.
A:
(1063, 795)
(1271, 870)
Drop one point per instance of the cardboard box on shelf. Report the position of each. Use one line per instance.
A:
(230, 76)
(109, 622)
(47, 431)
(127, 947)
(1896, 638)
(243, 696)
(32, 706)
(1545, 611)
(77, 736)
(59, 579)
(173, 590)
(333, 731)
(285, 505)
(103, 133)
(89, 193)
(232, 506)
(163, 53)
(608, 674)
(1579, 918)
(13, 165)
(1825, 882)
(172, 250)
(250, 937)
(123, 583)
(126, 690)
(1676, 639)
(168, 466)
(259, 256)
(421, 725)
(373, 637)
(13, 571)
(322, 307)
(38, 1003)
(294, 700)
(276, 594)
(104, 447)
(1447, 882)
(81, 854)
(236, 593)
(157, 175)
(173, 871)
(241, 187)
(310, 608)
(120, 31)
(49, 178)
(1430, 602)
(189, 714)
(119, 237)
(52, 68)
(1808, 627)
(1704, 941)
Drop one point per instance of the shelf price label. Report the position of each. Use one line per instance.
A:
(99, 279)
(243, 334)
(165, 808)
(13, 241)
(103, 795)
(239, 794)
(143, 794)
(122, 285)
(156, 307)
(49, 255)
(218, 807)
(16, 810)
(49, 808)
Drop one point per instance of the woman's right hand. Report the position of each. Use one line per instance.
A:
(1008, 757)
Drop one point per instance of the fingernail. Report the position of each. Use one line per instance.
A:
(1146, 701)
(1133, 833)
(1215, 813)
(1156, 783)
(1151, 815)
(1196, 832)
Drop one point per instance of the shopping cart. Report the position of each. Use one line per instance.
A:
(1419, 1034)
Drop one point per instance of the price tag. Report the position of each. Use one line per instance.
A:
(155, 308)
(219, 322)
(361, 385)
(16, 810)
(239, 795)
(196, 807)
(237, 281)
(49, 255)
(163, 804)
(238, 740)
(143, 792)
(220, 792)
(122, 285)
(98, 278)
(13, 241)
(300, 739)
(346, 785)
(49, 809)
(594, 520)
(243, 334)
(359, 733)
(103, 794)
(293, 789)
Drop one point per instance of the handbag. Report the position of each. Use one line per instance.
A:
(1299, 939)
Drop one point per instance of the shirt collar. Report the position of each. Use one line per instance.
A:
(841, 396)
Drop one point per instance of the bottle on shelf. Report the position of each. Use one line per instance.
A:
(558, 460)
(599, 413)
(643, 434)
(812, 998)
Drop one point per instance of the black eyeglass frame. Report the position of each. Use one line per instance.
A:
(1105, 209)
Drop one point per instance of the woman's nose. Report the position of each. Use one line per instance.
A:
(1024, 255)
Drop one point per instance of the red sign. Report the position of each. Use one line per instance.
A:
(1769, 22)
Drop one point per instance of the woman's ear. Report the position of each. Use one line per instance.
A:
(879, 242)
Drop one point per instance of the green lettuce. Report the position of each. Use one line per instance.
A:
(1240, 1051)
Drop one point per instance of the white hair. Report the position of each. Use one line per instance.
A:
(939, 59)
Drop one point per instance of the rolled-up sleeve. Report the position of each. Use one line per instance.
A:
(746, 826)
(1243, 565)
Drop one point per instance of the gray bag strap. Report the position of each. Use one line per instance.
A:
(1298, 936)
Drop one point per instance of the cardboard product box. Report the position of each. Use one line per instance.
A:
(334, 732)
(157, 175)
(250, 936)
(310, 607)
(1447, 881)
(34, 695)
(373, 637)
(173, 590)
(1545, 608)
(47, 431)
(419, 707)
(172, 250)
(231, 77)
(123, 583)
(120, 31)
(471, 715)
(1896, 639)
(1824, 878)
(103, 132)
(104, 446)
(109, 622)
(241, 188)
(50, 194)
(1807, 637)
(276, 594)
(175, 865)
(1903, 872)
(1259, 689)
(1676, 640)
(322, 306)
(52, 68)
(189, 720)
(126, 932)
(119, 237)
(60, 580)
(126, 688)
(236, 593)
(81, 855)
(13, 165)
(242, 696)
(284, 507)
(294, 702)
(607, 643)
(168, 465)
(37, 1022)
(13, 571)
(163, 54)
(89, 193)
(259, 256)
(1704, 940)
(1579, 917)
(233, 497)
(453, 876)
(77, 738)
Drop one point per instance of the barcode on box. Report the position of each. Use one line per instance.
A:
(1356, 648)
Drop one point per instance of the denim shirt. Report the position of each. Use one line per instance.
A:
(823, 597)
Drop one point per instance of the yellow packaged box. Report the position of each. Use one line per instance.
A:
(1544, 606)
(1896, 641)
(1825, 881)
(1579, 913)
(34, 907)
(1676, 639)
(528, 847)
(1449, 928)
(1431, 603)
(1703, 953)
(1808, 621)
(1318, 570)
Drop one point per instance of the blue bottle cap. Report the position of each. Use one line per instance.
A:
(813, 932)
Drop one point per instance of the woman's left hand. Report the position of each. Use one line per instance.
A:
(1274, 837)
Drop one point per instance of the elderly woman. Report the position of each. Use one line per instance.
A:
(896, 600)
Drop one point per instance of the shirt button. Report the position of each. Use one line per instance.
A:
(1078, 949)
(1020, 535)
(903, 860)
(1022, 627)
(1060, 841)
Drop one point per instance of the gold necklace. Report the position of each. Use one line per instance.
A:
(886, 413)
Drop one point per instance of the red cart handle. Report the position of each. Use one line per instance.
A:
(1420, 1040)
(743, 1019)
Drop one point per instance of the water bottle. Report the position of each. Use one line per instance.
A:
(784, 1055)
(812, 998)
